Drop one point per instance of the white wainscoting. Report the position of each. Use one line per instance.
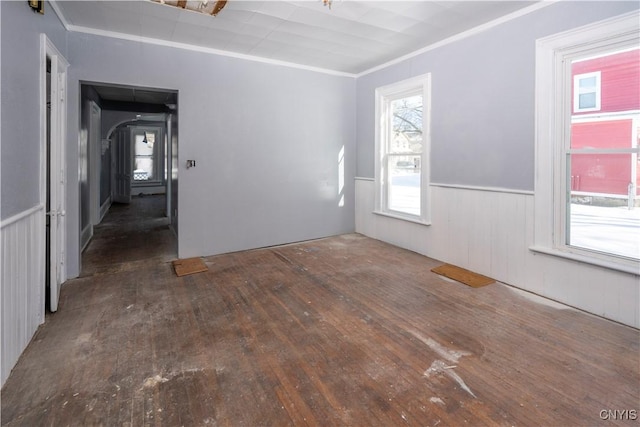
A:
(22, 289)
(490, 231)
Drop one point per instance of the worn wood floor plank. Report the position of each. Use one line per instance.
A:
(343, 331)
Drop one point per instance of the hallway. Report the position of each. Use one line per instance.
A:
(130, 234)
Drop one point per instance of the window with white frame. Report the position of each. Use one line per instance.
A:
(148, 152)
(587, 173)
(586, 92)
(402, 147)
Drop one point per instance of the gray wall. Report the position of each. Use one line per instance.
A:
(22, 287)
(20, 98)
(482, 98)
(265, 138)
(85, 150)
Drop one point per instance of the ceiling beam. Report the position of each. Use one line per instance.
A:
(218, 7)
(138, 107)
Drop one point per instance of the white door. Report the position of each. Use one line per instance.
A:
(56, 176)
(121, 148)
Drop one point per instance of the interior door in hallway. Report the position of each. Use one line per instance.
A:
(54, 196)
(122, 166)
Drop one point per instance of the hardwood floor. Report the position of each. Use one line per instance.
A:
(130, 233)
(339, 331)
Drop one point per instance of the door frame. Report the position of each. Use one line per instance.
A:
(121, 164)
(159, 159)
(94, 149)
(57, 177)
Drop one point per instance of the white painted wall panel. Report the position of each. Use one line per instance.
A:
(22, 291)
(490, 232)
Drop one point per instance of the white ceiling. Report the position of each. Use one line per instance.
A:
(351, 37)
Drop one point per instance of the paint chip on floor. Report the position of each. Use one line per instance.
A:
(436, 400)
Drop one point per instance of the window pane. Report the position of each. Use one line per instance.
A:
(601, 174)
(588, 84)
(143, 145)
(406, 116)
(402, 150)
(603, 133)
(601, 211)
(144, 161)
(404, 184)
(587, 100)
(603, 215)
(608, 83)
(608, 229)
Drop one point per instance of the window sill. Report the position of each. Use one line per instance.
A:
(415, 220)
(611, 265)
(142, 183)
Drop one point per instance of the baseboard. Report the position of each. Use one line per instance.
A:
(104, 208)
(85, 237)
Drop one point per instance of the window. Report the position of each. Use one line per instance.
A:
(586, 92)
(588, 118)
(147, 164)
(402, 147)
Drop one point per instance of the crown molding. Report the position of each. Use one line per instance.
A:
(463, 35)
(58, 12)
(185, 46)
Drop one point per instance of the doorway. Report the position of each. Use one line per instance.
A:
(130, 195)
